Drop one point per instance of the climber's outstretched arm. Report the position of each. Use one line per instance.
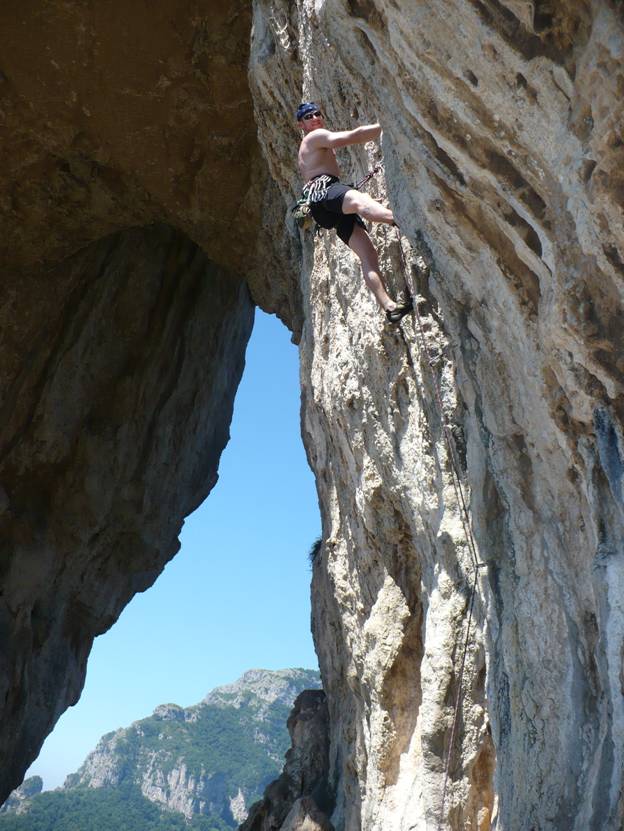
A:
(327, 138)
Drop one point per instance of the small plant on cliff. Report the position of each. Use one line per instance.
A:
(315, 551)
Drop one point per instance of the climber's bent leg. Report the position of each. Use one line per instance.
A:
(355, 202)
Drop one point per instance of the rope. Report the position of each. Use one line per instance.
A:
(460, 682)
(369, 176)
(459, 495)
(465, 518)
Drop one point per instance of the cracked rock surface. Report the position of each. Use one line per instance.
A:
(503, 163)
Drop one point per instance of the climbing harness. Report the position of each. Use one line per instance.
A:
(461, 501)
(315, 191)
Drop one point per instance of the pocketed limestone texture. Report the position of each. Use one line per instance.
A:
(504, 151)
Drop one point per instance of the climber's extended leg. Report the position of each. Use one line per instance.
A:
(360, 242)
(355, 202)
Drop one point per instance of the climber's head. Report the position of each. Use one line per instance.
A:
(309, 116)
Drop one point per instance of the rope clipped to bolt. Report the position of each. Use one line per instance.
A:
(459, 495)
(375, 170)
(465, 518)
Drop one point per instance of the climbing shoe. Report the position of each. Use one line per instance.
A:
(397, 314)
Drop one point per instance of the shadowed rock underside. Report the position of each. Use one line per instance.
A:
(129, 154)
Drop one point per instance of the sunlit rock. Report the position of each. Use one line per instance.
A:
(503, 162)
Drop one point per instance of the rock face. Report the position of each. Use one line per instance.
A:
(263, 688)
(108, 127)
(503, 150)
(121, 354)
(210, 760)
(19, 800)
(118, 129)
(300, 797)
(131, 202)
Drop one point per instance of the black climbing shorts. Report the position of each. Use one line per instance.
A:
(328, 212)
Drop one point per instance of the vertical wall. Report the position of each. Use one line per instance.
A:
(502, 142)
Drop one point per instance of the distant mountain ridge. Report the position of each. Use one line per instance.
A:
(208, 762)
(280, 686)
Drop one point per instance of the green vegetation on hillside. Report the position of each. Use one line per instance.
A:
(219, 741)
(102, 809)
(229, 747)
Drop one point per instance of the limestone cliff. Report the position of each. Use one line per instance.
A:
(111, 361)
(124, 318)
(504, 157)
(503, 150)
(210, 760)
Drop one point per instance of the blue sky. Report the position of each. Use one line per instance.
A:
(236, 597)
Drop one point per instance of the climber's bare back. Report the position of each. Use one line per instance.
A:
(314, 158)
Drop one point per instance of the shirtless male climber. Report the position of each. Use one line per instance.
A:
(335, 205)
